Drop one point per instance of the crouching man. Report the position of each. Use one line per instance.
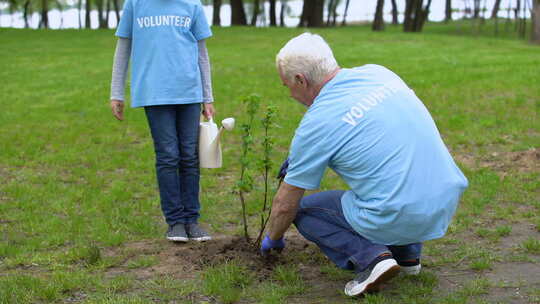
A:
(369, 127)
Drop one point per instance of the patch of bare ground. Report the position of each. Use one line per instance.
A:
(527, 161)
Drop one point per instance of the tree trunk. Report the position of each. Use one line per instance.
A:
(535, 16)
(344, 22)
(415, 15)
(495, 10)
(107, 13)
(303, 16)
(448, 11)
(334, 13)
(79, 8)
(273, 19)
(394, 13)
(425, 16)
(476, 9)
(59, 5)
(116, 10)
(26, 9)
(216, 17)
(281, 13)
(329, 10)
(256, 10)
(238, 14)
(44, 14)
(516, 11)
(378, 21)
(315, 13)
(87, 21)
(101, 14)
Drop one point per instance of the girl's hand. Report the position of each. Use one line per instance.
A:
(208, 110)
(117, 108)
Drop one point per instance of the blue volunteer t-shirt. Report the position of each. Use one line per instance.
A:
(373, 131)
(164, 54)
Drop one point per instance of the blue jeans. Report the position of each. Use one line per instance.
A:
(320, 220)
(175, 131)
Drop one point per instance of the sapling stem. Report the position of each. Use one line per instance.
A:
(245, 183)
(267, 144)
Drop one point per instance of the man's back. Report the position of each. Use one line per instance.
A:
(371, 129)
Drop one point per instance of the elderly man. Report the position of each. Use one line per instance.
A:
(371, 129)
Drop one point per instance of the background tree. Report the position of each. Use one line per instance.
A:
(312, 13)
(332, 12)
(344, 22)
(27, 9)
(535, 15)
(273, 20)
(216, 18)
(448, 11)
(378, 21)
(415, 15)
(88, 9)
(283, 11)
(101, 16)
(394, 13)
(238, 13)
(495, 10)
(256, 11)
(44, 21)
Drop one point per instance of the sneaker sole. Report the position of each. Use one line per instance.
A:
(201, 239)
(411, 270)
(383, 272)
(177, 239)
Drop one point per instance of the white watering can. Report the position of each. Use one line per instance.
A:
(209, 142)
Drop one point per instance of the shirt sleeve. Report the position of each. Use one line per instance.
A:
(200, 28)
(125, 26)
(308, 159)
(120, 67)
(206, 78)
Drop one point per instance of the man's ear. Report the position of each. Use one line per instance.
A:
(301, 80)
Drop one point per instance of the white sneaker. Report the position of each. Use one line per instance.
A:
(411, 270)
(371, 278)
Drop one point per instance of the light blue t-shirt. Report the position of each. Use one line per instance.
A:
(373, 131)
(164, 53)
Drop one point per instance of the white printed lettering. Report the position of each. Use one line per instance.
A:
(348, 119)
(356, 112)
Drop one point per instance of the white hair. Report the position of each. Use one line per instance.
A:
(309, 55)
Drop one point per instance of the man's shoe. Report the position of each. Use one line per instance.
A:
(379, 271)
(411, 267)
(196, 233)
(177, 233)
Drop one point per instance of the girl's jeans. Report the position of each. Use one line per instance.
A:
(320, 219)
(175, 130)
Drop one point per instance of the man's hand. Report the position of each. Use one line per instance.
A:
(268, 244)
(208, 110)
(283, 169)
(117, 108)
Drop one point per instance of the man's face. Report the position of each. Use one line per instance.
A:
(298, 88)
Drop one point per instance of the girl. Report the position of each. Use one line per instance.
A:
(170, 78)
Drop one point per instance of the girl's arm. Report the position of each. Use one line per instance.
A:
(119, 72)
(204, 66)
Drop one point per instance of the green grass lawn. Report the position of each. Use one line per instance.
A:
(77, 187)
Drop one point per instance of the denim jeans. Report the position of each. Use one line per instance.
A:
(175, 131)
(320, 220)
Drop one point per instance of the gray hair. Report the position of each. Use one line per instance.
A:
(309, 55)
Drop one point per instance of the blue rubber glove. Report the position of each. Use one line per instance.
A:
(283, 169)
(268, 244)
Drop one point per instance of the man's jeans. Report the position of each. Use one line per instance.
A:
(175, 130)
(320, 219)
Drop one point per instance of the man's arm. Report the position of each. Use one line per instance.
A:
(284, 208)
